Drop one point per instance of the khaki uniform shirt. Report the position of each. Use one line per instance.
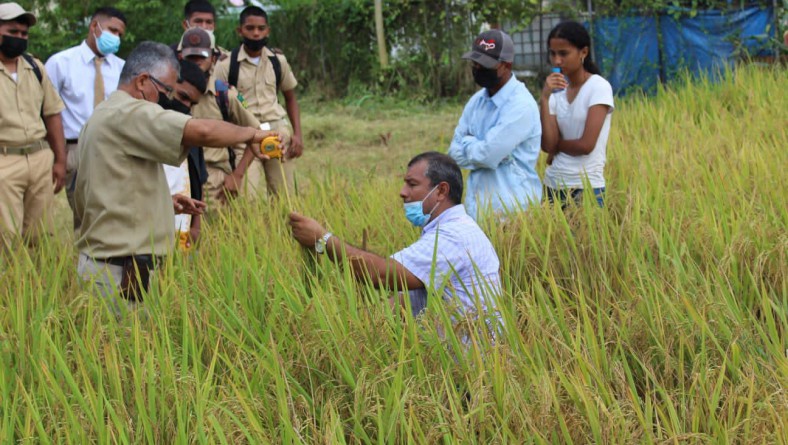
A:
(257, 83)
(208, 108)
(121, 191)
(20, 104)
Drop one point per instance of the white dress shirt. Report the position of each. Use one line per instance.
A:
(178, 180)
(454, 257)
(73, 72)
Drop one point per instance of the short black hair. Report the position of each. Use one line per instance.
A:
(250, 11)
(21, 20)
(442, 168)
(109, 12)
(193, 74)
(198, 6)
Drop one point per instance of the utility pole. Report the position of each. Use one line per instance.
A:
(383, 55)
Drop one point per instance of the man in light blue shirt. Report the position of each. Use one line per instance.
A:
(499, 133)
(453, 256)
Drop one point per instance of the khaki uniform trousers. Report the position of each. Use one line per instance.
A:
(212, 190)
(271, 169)
(26, 192)
(72, 159)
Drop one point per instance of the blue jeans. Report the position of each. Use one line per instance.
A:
(561, 196)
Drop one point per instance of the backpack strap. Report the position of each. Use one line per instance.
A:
(36, 69)
(277, 70)
(223, 101)
(222, 90)
(39, 76)
(232, 77)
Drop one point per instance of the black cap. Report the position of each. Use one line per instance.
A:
(491, 48)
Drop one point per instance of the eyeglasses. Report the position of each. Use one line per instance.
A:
(169, 91)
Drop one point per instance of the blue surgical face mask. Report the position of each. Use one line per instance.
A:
(414, 211)
(107, 43)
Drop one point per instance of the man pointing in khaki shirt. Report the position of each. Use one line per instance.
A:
(32, 145)
(121, 191)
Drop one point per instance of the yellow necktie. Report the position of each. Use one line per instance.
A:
(98, 85)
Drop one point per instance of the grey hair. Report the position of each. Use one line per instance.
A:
(442, 168)
(153, 58)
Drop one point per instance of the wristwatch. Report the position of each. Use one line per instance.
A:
(320, 245)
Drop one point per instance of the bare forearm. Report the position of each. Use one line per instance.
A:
(550, 133)
(593, 126)
(55, 136)
(243, 164)
(293, 111)
(575, 147)
(381, 272)
(215, 133)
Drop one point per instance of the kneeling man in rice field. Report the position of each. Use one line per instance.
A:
(121, 194)
(453, 256)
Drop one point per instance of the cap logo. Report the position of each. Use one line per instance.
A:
(195, 39)
(487, 44)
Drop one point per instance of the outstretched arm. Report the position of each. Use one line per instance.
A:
(381, 272)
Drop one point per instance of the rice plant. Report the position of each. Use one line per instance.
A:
(658, 319)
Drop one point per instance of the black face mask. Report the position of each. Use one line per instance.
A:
(174, 105)
(13, 46)
(486, 77)
(163, 101)
(255, 45)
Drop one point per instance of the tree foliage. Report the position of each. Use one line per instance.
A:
(331, 43)
(63, 24)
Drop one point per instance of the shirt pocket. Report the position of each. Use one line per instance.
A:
(269, 77)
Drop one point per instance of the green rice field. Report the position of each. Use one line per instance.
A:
(661, 318)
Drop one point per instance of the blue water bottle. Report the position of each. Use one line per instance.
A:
(556, 69)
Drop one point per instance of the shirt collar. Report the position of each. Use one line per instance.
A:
(211, 90)
(450, 214)
(242, 55)
(87, 55)
(500, 97)
(20, 63)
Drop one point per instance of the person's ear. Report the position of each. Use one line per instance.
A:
(185, 25)
(443, 190)
(139, 82)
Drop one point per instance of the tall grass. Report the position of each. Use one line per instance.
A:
(661, 318)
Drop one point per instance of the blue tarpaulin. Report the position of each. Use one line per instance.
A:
(629, 52)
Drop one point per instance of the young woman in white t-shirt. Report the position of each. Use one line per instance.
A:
(575, 109)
